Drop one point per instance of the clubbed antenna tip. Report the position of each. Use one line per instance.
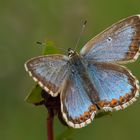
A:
(82, 30)
(85, 22)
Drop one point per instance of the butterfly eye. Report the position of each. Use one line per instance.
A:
(109, 39)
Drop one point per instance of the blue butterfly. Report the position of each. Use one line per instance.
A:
(92, 80)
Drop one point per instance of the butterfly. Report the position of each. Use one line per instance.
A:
(94, 79)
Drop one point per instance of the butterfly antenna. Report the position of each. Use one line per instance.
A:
(44, 44)
(81, 33)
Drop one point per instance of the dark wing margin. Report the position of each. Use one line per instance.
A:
(76, 106)
(119, 43)
(116, 86)
(48, 71)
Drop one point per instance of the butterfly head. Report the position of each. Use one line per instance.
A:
(71, 52)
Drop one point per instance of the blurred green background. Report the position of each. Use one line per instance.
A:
(22, 23)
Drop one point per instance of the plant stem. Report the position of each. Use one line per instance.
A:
(50, 119)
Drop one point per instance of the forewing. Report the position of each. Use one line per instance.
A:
(76, 106)
(119, 43)
(116, 86)
(48, 71)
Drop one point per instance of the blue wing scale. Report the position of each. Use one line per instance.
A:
(48, 71)
(116, 85)
(120, 43)
(76, 106)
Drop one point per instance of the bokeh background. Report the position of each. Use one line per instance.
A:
(22, 23)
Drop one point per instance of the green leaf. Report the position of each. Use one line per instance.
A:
(49, 48)
(49, 44)
(35, 95)
(103, 113)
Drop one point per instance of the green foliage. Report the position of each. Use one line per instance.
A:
(35, 95)
(103, 113)
(48, 47)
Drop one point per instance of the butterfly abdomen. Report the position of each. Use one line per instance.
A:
(79, 66)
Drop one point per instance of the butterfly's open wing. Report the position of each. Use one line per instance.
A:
(76, 106)
(119, 43)
(117, 87)
(49, 71)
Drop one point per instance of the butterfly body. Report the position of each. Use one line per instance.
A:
(78, 66)
(92, 80)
